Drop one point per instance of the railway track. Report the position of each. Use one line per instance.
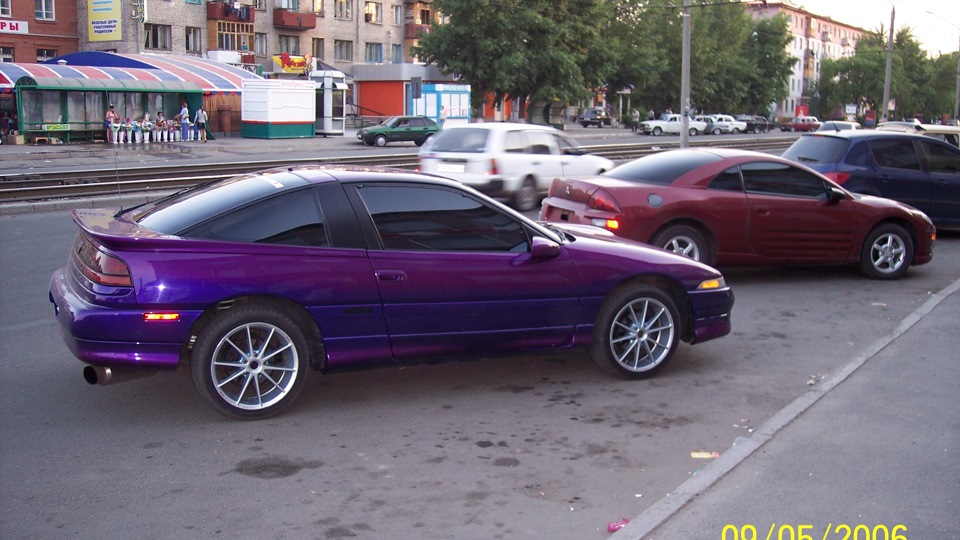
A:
(39, 186)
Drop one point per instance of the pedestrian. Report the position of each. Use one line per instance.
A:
(443, 115)
(109, 120)
(651, 115)
(634, 120)
(184, 122)
(200, 120)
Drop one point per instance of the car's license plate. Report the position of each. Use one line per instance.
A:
(450, 167)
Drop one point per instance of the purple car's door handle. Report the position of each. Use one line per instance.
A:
(391, 275)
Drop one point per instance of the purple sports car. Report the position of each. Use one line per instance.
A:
(258, 279)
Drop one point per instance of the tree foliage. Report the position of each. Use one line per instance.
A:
(565, 49)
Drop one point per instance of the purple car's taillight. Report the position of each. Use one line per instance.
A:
(99, 267)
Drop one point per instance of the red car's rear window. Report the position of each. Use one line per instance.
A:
(661, 168)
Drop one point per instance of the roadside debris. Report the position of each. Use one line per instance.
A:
(704, 455)
(617, 525)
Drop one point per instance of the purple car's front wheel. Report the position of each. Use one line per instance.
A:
(250, 362)
(636, 332)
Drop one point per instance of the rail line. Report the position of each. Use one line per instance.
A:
(38, 186)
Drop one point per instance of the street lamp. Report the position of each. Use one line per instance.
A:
(956, 99)
(889, 73)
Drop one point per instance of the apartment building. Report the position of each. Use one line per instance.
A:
(815, 38)
(36, 31)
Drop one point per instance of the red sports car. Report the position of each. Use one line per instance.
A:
(732, 207)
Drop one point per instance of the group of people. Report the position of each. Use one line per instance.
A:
(651, 115)
(162, 130)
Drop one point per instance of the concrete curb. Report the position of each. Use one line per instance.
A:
(661, 511)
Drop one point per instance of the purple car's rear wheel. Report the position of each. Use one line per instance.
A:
(636, 332)
(251, 362)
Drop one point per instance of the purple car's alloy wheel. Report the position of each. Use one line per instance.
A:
(641, 335)
(254, 366)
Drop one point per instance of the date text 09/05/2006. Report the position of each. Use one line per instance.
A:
(840, 531)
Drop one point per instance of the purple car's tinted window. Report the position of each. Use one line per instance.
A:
(817, 149)
(662, 168)
(184, 210)
(433, 219)
(291, 218)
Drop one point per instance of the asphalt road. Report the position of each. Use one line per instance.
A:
(533, 446)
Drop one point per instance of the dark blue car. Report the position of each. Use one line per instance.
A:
(920, 171)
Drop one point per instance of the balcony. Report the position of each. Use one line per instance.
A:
(229, 11)
(294, 20)
(413, 31)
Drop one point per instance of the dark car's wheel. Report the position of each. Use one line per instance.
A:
(685, 240)
(886, 253)
(657, 131)
(717, 131)
(380, 140)
(526, 198)
(251, 362)
(423, 140)
(585, 124)
(636, 333)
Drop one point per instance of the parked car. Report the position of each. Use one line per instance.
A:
(917, 170)
(801, 123)
(724, 123)
(515, 162)
(670, 124)
(594, 117)
(755, 124)
(736, 207)
(838, 125)
(945, 133)
(415, 129)
(258, 279)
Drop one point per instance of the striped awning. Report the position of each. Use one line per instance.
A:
(164, 72)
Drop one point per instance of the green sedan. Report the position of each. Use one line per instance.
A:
(398, 129)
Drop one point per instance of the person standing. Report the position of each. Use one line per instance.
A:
(201, 123)
(634, 120)
(184, 122)
(651, 115)
(109, 120)
(443, 115)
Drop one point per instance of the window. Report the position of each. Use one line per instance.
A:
(292, 219)
(437, 219)
(397, 54)
(234, 36)
(318, 8)
(292, 5)
(260, 44)
(895, 154)
(43, 10)
(46, 54)
(780, 179)
(317, 48)
(290, 44)
(343, 9)
(398, 15)
(424, 17)
(157, 36)
(373, 53)
(942, 159)
(343, 50)
(260, 5)
(193, 40)
(6, 54)
(728, 180)
(5, 9)
(373, 12)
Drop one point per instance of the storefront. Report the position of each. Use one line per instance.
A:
(67, 98)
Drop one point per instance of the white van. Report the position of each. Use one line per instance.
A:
(515, 162)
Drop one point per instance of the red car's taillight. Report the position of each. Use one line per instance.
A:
(838, 177)
(603, 200)
(100, 267)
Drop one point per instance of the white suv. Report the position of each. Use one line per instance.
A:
(516, 162)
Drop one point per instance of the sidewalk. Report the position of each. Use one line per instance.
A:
(872, 449)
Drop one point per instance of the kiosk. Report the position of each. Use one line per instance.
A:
(277, 109)
(331, 99)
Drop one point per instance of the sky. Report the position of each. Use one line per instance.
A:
(937, 33)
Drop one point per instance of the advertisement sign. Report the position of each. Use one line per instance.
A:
(104, 17)
(13, 27)
(294, 64)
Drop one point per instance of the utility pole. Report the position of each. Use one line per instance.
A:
(685, 79)
(889, 73)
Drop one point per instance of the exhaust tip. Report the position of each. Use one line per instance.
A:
(96, 375)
